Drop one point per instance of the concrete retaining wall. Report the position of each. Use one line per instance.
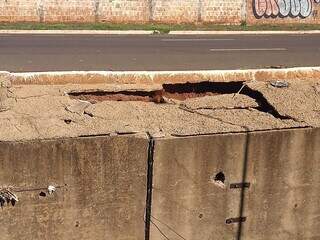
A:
(173, 11)
(101, 188)
(282, 201)
(160, 170)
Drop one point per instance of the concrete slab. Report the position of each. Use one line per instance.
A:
(191, 187)
(100, 188)
(283, 199)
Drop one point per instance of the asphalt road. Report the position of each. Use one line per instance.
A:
(21, 53)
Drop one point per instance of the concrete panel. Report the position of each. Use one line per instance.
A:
(187, 202)
(101, 190)
(283, 201)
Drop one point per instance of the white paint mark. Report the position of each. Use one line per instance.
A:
(246, 49)
(196, 39)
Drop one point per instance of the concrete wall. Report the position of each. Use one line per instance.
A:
(102, 187)
(101, 194)
(282, 201)
(186, 196)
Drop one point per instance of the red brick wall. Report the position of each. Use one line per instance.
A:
(169, 11)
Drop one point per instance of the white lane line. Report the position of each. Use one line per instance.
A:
(246, 49)
(196, 39)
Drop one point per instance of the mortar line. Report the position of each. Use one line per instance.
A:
(149, 186)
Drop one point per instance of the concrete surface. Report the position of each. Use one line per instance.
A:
(95, 52)
(42, 111)
(94, 133)
(187, 200)
(101, 188)
(283, 200)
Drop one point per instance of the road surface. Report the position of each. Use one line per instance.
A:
(21, 53)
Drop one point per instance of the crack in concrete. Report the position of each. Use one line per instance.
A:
(185, 108)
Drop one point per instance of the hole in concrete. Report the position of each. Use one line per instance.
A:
(219, 180)
(183, 91)
(13, 202)
(180, 91)
(228, 221)
(67, 121)
(99, 96)
(200, 215)
(77, 224)
(88, 114)
(220, 177)
(42, 194)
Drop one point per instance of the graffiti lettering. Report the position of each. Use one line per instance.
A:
(283, 8)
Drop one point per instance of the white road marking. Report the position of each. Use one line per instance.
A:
(196, 39)
(246, 49)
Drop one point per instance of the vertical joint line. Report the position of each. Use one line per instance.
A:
(151, 9)
(40, 11)
(96, 10)
(149, 187)
(244, 11)
(200, 10)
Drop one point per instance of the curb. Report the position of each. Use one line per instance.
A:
(163, 77)
(150, 32)
(243, 32)
(78, 32)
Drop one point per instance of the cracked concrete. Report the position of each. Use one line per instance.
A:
(47, 111)
(300, 101)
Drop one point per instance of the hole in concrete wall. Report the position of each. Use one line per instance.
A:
(42, 194)
(200, 215)
(220, 177)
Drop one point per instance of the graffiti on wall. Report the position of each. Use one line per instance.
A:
(283, 8)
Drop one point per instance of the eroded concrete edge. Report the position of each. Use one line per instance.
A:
(148, 80)
(161, 77)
